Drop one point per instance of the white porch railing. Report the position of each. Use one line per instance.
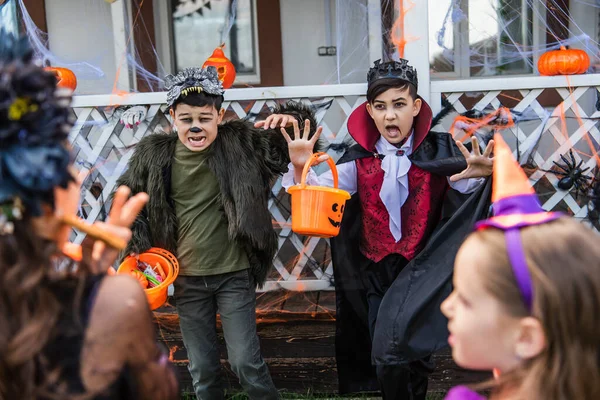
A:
(104, 145)
(541, 132)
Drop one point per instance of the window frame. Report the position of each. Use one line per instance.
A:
(166, 49)
(15, 11)
(462, 60)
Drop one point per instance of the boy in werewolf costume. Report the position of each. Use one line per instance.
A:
(391, 270)
(209, 185)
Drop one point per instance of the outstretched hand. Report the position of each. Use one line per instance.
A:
(275, 120)
(122, 214)
(301, 148)
(478, 165)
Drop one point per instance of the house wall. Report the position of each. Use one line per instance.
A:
(305, 27)
(81, 32)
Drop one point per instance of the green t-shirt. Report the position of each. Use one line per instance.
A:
(203, 246)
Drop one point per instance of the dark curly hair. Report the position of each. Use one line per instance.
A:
(35, 121)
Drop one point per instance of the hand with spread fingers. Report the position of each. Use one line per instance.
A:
(301, 148)
(478, 165)
(122, 214)
(276, 120)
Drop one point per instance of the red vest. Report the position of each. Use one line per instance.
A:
(420, 213)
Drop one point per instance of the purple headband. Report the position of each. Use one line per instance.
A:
(516, 256)
(524, 205)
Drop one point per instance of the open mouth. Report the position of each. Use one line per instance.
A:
(334, 223)
(197, 141)
(393, 131)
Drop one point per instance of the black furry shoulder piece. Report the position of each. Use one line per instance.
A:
(35, 121)
(447, 108)
(297, 110)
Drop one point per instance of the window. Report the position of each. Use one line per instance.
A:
(8, 16)
(198, 27)
(471, 38)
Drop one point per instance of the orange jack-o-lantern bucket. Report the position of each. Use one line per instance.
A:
(224, 66)
(317, 210)
(157, 296)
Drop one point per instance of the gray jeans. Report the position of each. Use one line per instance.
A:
(233, 295)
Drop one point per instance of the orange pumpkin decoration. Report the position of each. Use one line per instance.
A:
(563, 62)
(140, 277)
(224, 66)
(65, 77)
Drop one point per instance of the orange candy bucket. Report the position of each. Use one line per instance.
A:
(157, 296)
(317, 210)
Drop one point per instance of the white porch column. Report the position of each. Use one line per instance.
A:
(416, 30)
(375, 34)
(120, 22)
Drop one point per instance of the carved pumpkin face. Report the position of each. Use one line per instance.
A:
(225, 68)
(335, 219)
(563, 62)
(64, 76)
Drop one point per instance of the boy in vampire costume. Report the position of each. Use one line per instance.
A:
(415, 196)
(209, 185)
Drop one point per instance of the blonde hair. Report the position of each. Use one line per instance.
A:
(563, 258)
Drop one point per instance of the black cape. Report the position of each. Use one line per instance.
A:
(410, 325)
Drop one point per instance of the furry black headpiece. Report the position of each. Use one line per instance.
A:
(393, 69)
(35, 121)
(193, 80)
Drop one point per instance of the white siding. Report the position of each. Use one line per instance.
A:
(304, 28)
(81, 32)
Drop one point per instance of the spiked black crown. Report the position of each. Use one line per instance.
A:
(393, 69)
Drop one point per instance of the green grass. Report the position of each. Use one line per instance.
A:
(308, 396)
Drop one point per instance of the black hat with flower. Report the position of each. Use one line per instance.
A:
(35, 121)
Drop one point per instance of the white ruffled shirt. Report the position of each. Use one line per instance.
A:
(394, 190)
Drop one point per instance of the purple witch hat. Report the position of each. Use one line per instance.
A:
(515, 206)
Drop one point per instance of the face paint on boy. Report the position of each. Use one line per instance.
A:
(197, 127)
(393, 112)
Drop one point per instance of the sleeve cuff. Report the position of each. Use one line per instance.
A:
(287, 180)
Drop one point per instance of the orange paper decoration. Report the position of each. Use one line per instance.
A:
(224, 66)
(563, 62)
(471, 125)
(65, 77)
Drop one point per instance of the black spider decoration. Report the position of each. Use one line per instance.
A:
(592, 195)
(571, 173)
